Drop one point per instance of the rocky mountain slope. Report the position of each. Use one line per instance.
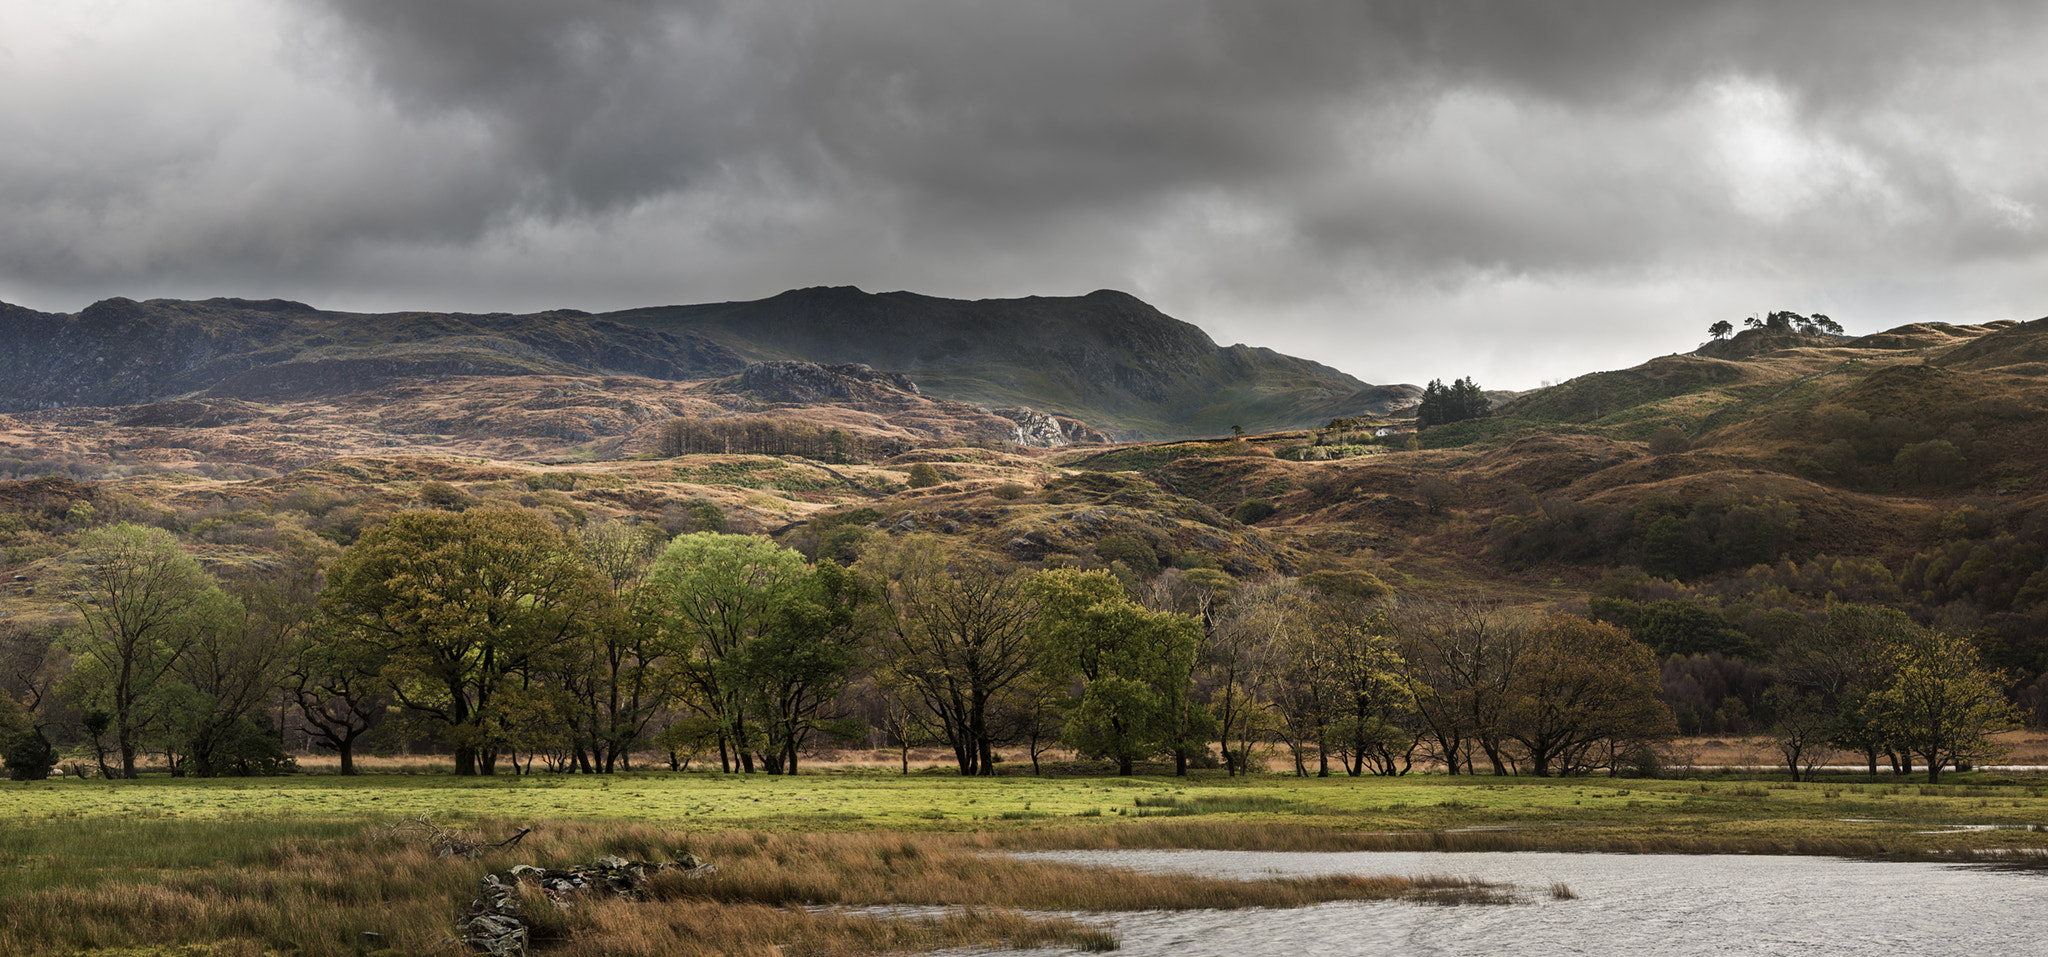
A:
(1105, 359)
(121, 352)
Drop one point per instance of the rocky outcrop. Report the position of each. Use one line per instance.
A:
(1043, 430)
(808, 382)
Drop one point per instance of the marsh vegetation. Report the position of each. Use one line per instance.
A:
(312, 865)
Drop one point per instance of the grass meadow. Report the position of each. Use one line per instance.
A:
(322, 864)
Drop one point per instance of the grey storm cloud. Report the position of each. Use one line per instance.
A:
(1378, 184)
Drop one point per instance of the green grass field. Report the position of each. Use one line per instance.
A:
(1895, 812)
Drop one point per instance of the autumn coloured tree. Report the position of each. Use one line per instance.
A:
(1941, 703)
(955, 636)
(1586, 692)
(465, 611)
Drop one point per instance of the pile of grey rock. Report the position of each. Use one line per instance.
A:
(496, 923)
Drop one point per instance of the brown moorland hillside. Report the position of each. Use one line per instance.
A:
(1902, 468)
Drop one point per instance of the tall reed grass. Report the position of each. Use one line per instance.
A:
(1227, 835)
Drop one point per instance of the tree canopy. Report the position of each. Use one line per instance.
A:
(1442, 404)
(463, 608)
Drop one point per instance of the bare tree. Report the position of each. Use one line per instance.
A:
(956, 633)
(1460, 661)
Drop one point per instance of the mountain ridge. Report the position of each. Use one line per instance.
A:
(1106, 358)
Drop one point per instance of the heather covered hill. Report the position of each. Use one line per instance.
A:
(1106, 358)
(1712, 504)
(122, 352)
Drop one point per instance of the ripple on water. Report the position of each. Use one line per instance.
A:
(1663, 905)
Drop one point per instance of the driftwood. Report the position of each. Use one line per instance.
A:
(448, 842)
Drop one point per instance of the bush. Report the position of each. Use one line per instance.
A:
(1934, 462)
(924, 475)
(557, 481)
(1254, 510)
(1669, 440)
(25, 752)
(843, 543)
(248, 750)
(29, 756)
(1353, 585)
(695, 515)
(441, 494)
(1132, 551)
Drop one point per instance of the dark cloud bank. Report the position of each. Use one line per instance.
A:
(1519, 191)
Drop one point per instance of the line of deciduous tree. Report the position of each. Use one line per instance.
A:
(504, 638)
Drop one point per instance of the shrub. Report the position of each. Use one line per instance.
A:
(1669, 440)
(843, 543)
(924, 475)
(1934, 462)
(695, 515)
(27, 754)
(558, 481)
(1130, 550)
(1358, 586)
(1254, 510)
(441, 494)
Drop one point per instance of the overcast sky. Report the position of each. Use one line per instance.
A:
(1516, 191)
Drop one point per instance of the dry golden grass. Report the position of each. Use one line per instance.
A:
(883, 869)
(271, 888)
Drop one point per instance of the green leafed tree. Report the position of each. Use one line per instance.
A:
(464, 610)
(143, 604)
(1942, 703)
(1132, 664)
(796, 672)
(720, 598)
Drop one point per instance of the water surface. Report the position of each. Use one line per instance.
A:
(1628, 904)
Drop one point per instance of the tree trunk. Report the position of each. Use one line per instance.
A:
(1500, 767)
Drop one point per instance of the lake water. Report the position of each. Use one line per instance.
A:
(1650, 904)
